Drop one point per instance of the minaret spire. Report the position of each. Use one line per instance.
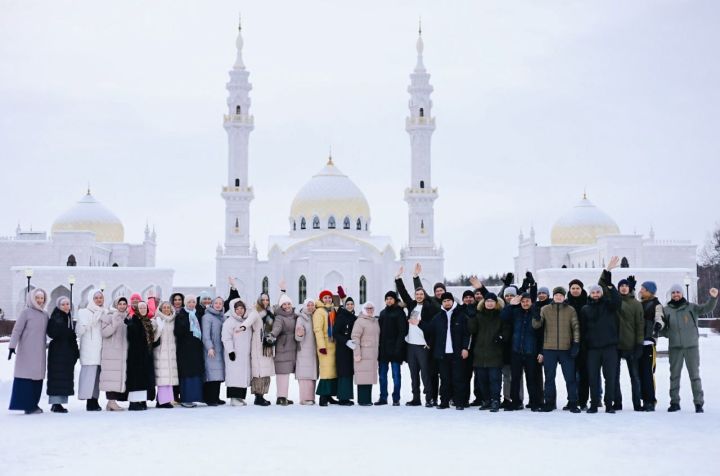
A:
(419, 46)
(239, 64)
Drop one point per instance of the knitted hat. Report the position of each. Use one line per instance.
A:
(491, 297)
(468, 293)
(676, 288)
(284, 298)
(595, 288)
(122, 299)
(325, 293)
(349, 299)
(623, 282)
(559, 290)
(576, 281)
(510, 291)
(543, 290)
(391, 294)
(446, 295)
(439, 285)
(650, 286)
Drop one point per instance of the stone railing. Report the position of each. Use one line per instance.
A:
(239, 119)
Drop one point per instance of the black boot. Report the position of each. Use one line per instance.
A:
(593, 408)
(346, 403)
(380, 402)
(260, 401)
(282, 401)
(332, 401)
(699, 408)
(649, 407)
(415, 402)
(573, 408)
(92, 405)
(549, 407)
(323, 401)
(674, 407)
(57, 408)
(495, 406)
(135, 407)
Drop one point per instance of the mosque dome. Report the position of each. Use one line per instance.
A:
(90, 215)
(331, 198)
(582, 225)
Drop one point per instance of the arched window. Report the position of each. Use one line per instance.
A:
(115, 265)
(422, 112)
(422, 184)
(593, 263)
(265, 285)
(564, 266)
(346, 223)
(316, 223)
(363, 289)
(294, 225)
(302, 289)
(624, 263)
(586, 264)
(237, 182)
(358, 224)
(238, 109)
(331, 223)
(71, 261)
(303, 225)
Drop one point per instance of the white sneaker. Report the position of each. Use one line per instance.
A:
(188, 405)
(307, 402)
(237, 402)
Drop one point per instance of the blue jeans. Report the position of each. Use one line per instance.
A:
(382, 372)
(490, 380)
(550, 360)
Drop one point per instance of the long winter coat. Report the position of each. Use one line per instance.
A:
(366, 335)
(166, 369)
(262, 365)
(140, 359)
(62, 354)
(393, 329)
(600, 320)
(321, 323)
(190, 354)
(113, 366)
(238, 372)
(306, 361)
(212, 339)
(88, 331)
(342, 331)
(29, 339)
(486, 328)
(285, 346)
(681, 322)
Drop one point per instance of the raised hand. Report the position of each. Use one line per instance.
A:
(713, 292)
(515, 301)
(283, 284)
(614, 263)
(231, 282)
(475, 282)
(400, 272)
(418, 269)
(151, 293)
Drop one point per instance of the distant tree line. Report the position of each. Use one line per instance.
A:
(464, 280)
(709, 267)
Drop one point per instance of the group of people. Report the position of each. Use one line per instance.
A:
(179, 352)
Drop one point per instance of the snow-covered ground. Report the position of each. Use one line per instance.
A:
(367, 440)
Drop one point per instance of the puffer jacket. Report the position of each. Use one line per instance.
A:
(600, 320)
(681, 322)
(263, 364)
(166, 370)
(632, 327)
(525, 340)
(489, 332)
(237, 338)
(323, 340)
(88, 332)
(306, 363)
(286, 346)
(113, 366)
(562, 327)
(366, 335)
(211, 324)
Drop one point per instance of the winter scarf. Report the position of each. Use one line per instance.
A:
(331, 321)
(149, 331)
(96, 310)
(677, 304)
(194, 324)
(268, 339)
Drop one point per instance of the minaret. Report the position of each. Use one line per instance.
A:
(238, 123)
(420, 196)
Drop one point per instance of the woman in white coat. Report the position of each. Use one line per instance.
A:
(166, 371)
(306, 361)
(88, 330)
(113, 364)
(236, 339)
(262, 350)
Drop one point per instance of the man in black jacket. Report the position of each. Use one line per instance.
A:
(600, 320)
(420, 309)
(393, 329)
(577, 298)
(451, 340)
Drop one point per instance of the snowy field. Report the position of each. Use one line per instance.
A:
(367, 440)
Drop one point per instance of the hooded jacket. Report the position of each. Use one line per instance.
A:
(29, 339)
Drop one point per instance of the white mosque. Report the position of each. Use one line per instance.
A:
(85, 249)
(329, 240)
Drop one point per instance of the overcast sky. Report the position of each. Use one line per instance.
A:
(534, 101)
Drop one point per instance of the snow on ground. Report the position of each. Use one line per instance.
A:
(367, 440)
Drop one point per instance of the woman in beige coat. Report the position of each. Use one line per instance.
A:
(236, 339)
(262, 349)
(166, 371)
(113, 359)
(306, 362)
(366, 336)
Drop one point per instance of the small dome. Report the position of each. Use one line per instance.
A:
(90, 215)
(582, 225)
(330, 193)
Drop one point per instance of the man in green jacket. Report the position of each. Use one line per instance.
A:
(681, 329)
(630, 343)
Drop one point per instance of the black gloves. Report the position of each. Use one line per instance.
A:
(499, 339)
(574, 350)
(508, 279)
(632, 282)
(231, 355)
(530, 278)
(606, 278)
(657, 328)
(10, 353)
(638, 352)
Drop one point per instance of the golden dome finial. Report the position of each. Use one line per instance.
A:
(330, 160)
(585, 194)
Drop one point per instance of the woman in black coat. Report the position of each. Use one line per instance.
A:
(190, 354)
(344, 358)
(140, 377)
(62, 354)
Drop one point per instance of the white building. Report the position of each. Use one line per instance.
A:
(86, 246)
(585, 238)
(329, 240)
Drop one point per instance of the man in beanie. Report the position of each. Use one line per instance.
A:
(393, 329)
(681, 329)
(422, 366)
(449, 330)
(630, 343)
(438, 288)
(599, 319)
(561, 344)
(578, 298)
(653, 315)
(508, 293)
(469, 308)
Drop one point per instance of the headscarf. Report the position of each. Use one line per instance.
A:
(365, 306)
(192, 317)
(203, 295)
(31, 299)
(160, 314)
(59, 300)
(147, 325)
(94, 308)
(231, 312)
(65, 315)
